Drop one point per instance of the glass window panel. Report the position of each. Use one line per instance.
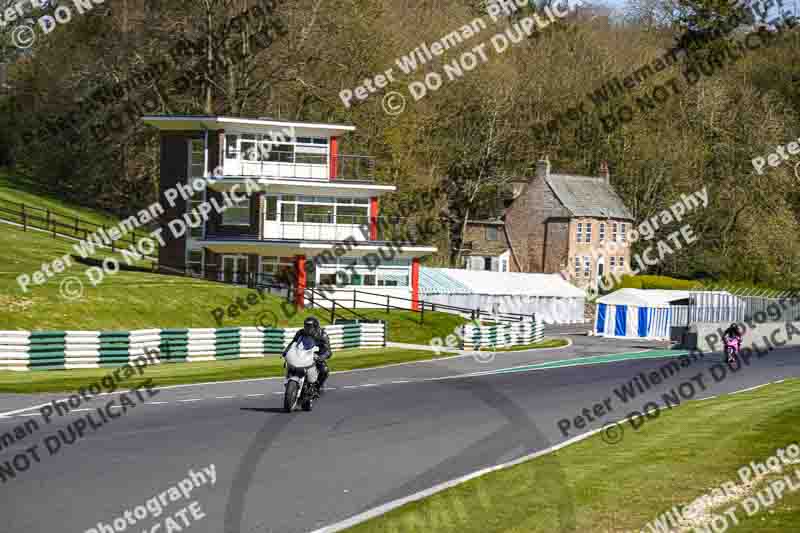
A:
(306, 140)
(320, 140)
(249, 151)
(311, 159)
(363, 201)
(327, 279)
(319, 150)
(288, 198)
(281, 153)
(231, 148)
(344, 200)
(272, 208)
(351, 214)
(288, 212)
(237, 215)
(324, 199)
(318, 214)
(370, 279)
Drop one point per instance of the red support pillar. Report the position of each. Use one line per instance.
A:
(415, 284)
(300, 289)
(373, 220)
(334, 157)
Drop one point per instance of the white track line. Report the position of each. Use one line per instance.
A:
(192, 400)
(751, 388)
(225, 397)
(254, 395)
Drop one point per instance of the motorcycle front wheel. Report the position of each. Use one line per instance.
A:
(290, 396)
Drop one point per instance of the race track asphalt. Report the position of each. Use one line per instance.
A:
(376, 436)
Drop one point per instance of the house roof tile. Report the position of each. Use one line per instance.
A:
(586, 196)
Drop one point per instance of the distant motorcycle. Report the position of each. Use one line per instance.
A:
(733, 346)
(301, 378)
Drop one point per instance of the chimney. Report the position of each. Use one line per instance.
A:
(604, 173)
(543, 168)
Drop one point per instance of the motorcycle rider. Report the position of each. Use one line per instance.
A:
(313, 335)
(733, 337)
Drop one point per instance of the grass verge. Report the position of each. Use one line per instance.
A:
(594, 486)
(180, 373)
(137, 300)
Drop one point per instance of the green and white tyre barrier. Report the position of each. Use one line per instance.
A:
(25, 350)
(502, 335)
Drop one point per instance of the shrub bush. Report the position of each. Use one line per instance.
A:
(658, 282)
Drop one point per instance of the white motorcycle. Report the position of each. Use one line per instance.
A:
(301, 378)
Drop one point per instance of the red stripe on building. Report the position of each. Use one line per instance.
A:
(373, 221)
(415, 284)
(300, 289)
(334, 156)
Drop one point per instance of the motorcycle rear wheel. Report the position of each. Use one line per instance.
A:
(290, 396)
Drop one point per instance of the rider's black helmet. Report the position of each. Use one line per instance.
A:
(311, 326)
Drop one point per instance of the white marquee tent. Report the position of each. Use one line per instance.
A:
(636, 313)
(548, 296)
(649, 313)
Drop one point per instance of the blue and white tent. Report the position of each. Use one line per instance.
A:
(636, 313)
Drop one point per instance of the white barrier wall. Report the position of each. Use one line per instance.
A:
(761, 337)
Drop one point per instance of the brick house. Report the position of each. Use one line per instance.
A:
(486, 246)
(576, 225)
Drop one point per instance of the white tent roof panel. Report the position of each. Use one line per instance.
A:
(458, 281)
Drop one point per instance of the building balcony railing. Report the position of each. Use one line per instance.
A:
(326, 228)
(291, 165)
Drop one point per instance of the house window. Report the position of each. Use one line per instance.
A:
(360, 272)
(487, 263)
(614, 232)
(577, 266)
(505, 265)
(195, 262)
(588, 232)
(271, 208)
(622, 232)
(621, 263)
(587, 266)
(602, 232)
(273, 268)
(579, 234)
(237, 215)
(613, 264)
(277, 148)
(491, 233)
(324, 210)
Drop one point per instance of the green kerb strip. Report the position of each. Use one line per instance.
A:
(595, 360)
